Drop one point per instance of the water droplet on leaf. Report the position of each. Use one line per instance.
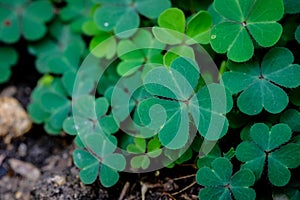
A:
(106, 24)
(213, 37)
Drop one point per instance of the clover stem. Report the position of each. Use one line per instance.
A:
(187, 102)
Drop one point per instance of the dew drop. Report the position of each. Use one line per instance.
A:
(76, 127)
(213, 37)
(106, 24)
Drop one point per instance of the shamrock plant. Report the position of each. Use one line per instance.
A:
(62, 48)
(140, 146)
(243, 23)
(90, 166)
(260, 83)
(130, 82)
(219, 182)
(270, 147)
(179, 99)
(88, 119)
(24, 17)
(94, 159)
(50, 104)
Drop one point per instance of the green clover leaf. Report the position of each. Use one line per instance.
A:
(139, 146)
(267, 145)
(212, 121)
(95, 135)
(167, 113)
(59, 106)
(176, 52)
(8, 57)
(173, 133)
(245, 20)
(124, 96)
(174, 30)
(209, 158)
(89, 116)
(147, 150)
(260, 84)
(221, 184)
(143, 49)
(25, 18)
(59, 53)
(88, 164)
(172, 26)
(122, 16)
(291, 6)
(90, 167)
(291, 117)
(76, 12)
(103, 44)
(108, 79)
(297, 34)
(50, 105)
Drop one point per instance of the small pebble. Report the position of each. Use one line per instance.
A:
(18, 195)
(14, 121)
(25, 169)
(280, 197)
(58, 180)
(22, 150)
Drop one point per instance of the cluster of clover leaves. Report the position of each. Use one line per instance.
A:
(254, 105)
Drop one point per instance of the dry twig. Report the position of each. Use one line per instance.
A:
(187, 187)
(124, 190)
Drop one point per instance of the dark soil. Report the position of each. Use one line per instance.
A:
(52, 156)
